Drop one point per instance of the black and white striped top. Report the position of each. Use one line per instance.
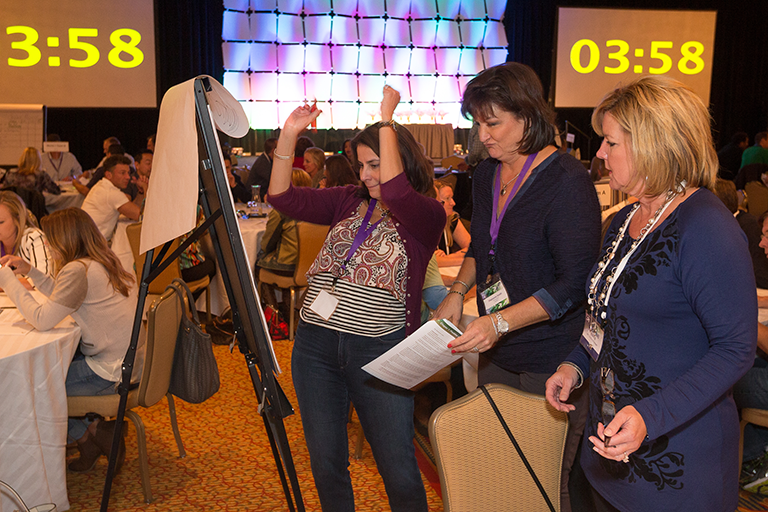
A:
(33, 249)
(362, 310)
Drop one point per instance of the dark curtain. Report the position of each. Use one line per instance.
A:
(188, 43)
(738, 99)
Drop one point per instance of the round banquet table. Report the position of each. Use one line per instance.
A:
(69, 198)
(33, 423)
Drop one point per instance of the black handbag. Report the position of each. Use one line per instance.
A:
(195, 374)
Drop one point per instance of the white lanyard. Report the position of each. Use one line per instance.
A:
(623, 263)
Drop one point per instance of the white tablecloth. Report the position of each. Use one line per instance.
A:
(33, 418)
(252, 231)
(69, 197)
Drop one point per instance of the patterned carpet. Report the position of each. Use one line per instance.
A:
(229, 464)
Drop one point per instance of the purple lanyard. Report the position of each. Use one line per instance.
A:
(360, 237)
(497, 218)
(2, 250)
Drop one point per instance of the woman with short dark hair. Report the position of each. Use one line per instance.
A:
(535, 234)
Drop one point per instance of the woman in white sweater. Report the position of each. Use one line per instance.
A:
(91, 286)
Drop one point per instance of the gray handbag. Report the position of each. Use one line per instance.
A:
(195, 374)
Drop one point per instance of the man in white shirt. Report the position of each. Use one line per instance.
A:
(60, 166)
(106, 201)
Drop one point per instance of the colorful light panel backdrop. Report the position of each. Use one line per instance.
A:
(278, 54)
(78, 53)
(600, 48)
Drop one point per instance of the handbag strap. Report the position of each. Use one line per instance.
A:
(517, 447)
(180, 285)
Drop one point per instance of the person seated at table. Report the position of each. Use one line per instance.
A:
(314, 164)
(151, 142)
(131, 189)
(261, 170)
(111, 141)
(143, 170)
(338, 173)
(30, 174)
(455, 240)
(107, 201)
(279, 251)
(302, 144)
(239, 192)
(20, 236)
(60, 165)
(347, 151)
(93, 288)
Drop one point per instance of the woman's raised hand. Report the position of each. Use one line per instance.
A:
(300, 119)
(389, 103)
(18, 265)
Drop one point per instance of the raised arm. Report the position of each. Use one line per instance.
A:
(282, 163)
(390, 162)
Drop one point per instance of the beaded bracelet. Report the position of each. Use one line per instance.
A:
(456, 292)
(283, 157)
(461, 282)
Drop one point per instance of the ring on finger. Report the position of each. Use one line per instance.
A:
(476, 349)
(626, 458)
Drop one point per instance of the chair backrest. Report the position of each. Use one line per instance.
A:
(163, 321)
(479, 467)
(166, 277)
(311, 238)
(451, 161)
(757, 198)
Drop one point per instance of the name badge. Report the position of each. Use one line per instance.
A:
(324, 305)
(493, 293)
(592, 336)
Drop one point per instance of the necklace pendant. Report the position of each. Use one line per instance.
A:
(503, 191)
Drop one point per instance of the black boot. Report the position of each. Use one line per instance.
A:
(105, 431)
(89, 455)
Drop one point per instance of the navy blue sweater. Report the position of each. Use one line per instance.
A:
(548, 241)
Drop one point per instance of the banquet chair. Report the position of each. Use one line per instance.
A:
(757, 198)
(479, 468)
(171, 272)
(310, 241)
(163, 322)
(451, 162)
(757, 417)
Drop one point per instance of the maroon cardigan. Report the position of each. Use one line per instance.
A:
(419, 221)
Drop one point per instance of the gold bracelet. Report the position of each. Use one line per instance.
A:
(391, 123)
(283, 157)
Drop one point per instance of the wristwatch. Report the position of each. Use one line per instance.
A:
(501, 324)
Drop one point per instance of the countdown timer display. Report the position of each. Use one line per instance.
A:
(78, 53)
(597, 49)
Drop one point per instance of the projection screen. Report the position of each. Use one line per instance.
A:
(600, 48)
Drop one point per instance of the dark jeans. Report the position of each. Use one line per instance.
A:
(752, 392)
(327, 375)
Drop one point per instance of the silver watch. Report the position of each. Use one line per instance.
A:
(502, 324)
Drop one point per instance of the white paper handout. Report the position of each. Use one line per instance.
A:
(417, 357)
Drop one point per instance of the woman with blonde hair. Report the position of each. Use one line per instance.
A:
(670, 324)
(30, 174)
(91, 286)
(20, 235)
(314, 164)
(455, 240)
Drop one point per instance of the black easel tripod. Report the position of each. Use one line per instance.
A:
(246, 311)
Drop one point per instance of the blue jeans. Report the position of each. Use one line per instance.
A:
(327, 375)
(82, 381)
(752, 392)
